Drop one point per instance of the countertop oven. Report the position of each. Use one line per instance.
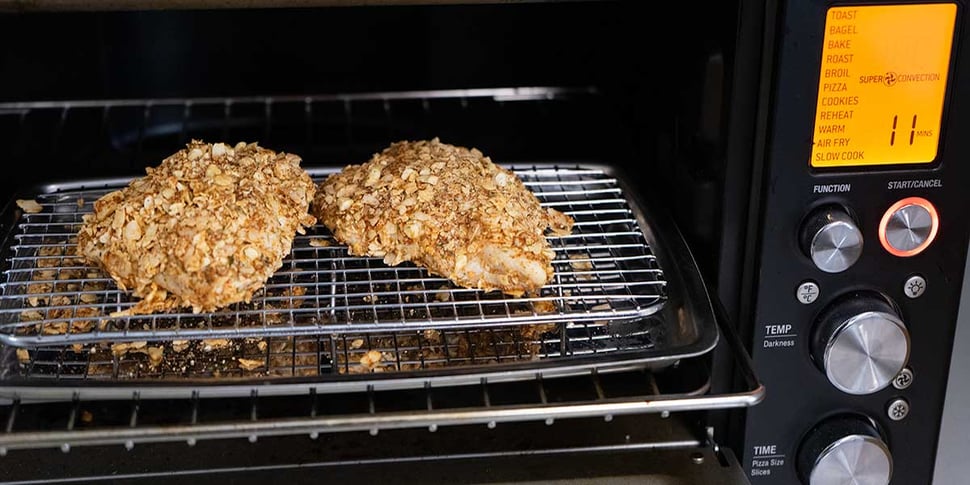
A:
(762, 284)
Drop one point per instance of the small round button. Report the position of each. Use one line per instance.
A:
(915, 286)
(807, 292)
(908, 227)
(898, 409)
(904, 379)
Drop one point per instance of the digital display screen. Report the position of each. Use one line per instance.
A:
(882, 83)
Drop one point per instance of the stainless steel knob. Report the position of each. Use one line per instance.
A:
(860, 343)
(845, 449)
(908, 227)
(831, 239)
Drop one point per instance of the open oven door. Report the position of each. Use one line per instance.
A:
(616, 381)
(608, 374)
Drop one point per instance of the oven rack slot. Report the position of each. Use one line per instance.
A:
(605, 271)
(134, 421)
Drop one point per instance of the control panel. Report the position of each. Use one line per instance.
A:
(861, 242)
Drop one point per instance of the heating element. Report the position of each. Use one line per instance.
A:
(96, 138)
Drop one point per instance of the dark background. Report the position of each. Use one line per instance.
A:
(619, 45)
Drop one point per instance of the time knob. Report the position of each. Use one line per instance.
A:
(844, 449)
(831, 238)
(860, 342)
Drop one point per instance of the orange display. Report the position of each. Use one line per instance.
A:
(882, 83)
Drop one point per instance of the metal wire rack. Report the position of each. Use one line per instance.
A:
(133, 420)
(605, 271)
(134, 416)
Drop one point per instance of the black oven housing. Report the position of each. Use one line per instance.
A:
(799, 393)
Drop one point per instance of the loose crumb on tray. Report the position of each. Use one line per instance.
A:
(29, 206)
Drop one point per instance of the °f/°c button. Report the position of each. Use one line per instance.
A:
(807, 292)
(915, 286)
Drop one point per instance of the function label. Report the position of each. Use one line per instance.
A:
(882, 84)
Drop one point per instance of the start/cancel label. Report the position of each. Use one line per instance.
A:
(882, 84)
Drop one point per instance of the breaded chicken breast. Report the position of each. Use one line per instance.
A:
(446, 208)
(204, 229)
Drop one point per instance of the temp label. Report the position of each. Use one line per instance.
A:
(882, 84)
(779, 336)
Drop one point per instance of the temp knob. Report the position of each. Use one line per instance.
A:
(908, 227)
(831, 239)
(844, 449)
(860, 343)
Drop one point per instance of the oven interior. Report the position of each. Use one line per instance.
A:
(630, 354)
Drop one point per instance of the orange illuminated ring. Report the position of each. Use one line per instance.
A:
(934, 226)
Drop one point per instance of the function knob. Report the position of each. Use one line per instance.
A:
(844, 449)
(861, 343)
(908, 227)
(831, 239)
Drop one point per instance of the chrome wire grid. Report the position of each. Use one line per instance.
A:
(605, 272)
(133, 420)
(150, 414)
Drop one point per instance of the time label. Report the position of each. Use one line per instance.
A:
(882, 84)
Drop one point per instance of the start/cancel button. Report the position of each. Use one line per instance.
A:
(908, 227)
